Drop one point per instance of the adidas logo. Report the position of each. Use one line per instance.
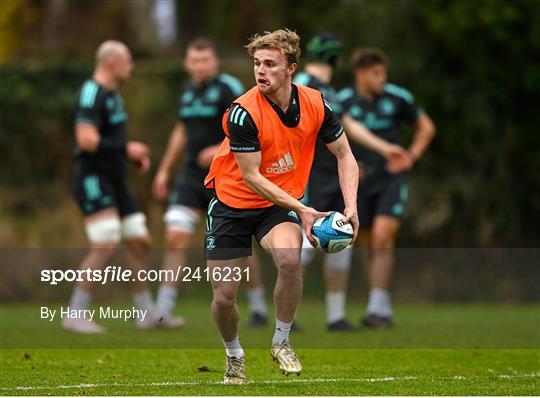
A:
(282, 166)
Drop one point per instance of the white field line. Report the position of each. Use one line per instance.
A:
(254, 382)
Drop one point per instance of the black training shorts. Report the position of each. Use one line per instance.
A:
(229, 230)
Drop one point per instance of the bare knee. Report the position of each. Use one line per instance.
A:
(382, 241)
(103, 251)
(175, 239)
(143, 242)
(223, 300)
(288, 263)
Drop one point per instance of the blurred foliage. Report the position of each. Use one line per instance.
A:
(16, 20)
(472, 65)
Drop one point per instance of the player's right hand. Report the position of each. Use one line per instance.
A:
(137, 151)
(398, 158)
(160, 186)
(309, 215)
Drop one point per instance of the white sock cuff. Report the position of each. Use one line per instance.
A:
(256, 301)
(335, 295)
(379, 302)
(335, 306)
(283, 326)
(257, 290)
(379, 293)
(80, 299)
(168, 290)
(232, 344)
(143, 300)
(233, 348)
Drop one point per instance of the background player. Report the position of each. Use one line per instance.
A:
(100, 181)
(323, 191)
(196, 136)
(382, 107)
(258, 174)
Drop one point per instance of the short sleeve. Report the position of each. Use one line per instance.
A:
(243, 133)
(331, 97)
(331, 128)
(410, 112)
(89, 105)
(232, 88)
(346, 99)
(408, 109)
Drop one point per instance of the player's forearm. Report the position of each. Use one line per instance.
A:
(362, 136)
(175, 149)
(348, 179)
(424, 134)
(262, 186)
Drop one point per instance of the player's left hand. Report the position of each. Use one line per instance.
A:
(205, 157)
(351, 215)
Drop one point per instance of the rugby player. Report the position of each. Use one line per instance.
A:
(259, 174)
(382, 108)
(100, 183)
(323, 191)
(195, 138)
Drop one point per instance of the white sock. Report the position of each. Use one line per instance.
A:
(166, 300)
(256, 302)
(80, 299)
(233, 348)
(335, 306)
(143, 300)
(379, 302)
(282, 332)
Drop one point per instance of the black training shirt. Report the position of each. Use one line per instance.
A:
(104, 109)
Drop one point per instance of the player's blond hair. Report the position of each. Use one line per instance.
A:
(285, 40)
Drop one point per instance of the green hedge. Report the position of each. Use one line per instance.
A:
(477, 186)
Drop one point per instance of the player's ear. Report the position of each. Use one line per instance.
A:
(292, 68)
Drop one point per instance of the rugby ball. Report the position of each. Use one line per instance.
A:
(332, 233)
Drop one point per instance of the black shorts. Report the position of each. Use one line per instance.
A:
(189, 189)
(229, 230)
(191, 193)
(95, 192)
(389, 199)
(324, 193)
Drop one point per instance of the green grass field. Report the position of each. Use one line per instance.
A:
(433, 350)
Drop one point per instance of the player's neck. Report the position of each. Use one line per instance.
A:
(323, 72)
(364, 92)
(105, 79)
(282, 97)
(202, 82)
